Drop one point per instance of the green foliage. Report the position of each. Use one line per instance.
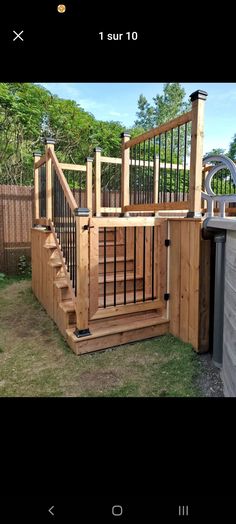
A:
(232, 149)
(29, 113)
(2, 277)
(166, 107)
(24, 267)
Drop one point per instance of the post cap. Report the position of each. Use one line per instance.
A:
(49, 141)
(97, 150)
(81, 212)
(37, 153)
(125, 134)
(89, 159)
(198, 95)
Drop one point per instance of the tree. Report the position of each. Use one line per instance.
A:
(166, 107)
(232, 149)
(29, 113)
(145, 114)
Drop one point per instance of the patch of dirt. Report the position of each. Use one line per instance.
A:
(209, 380)
(98, 379)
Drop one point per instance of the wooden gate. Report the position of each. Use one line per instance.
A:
(127, 266)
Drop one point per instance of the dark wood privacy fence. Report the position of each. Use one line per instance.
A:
(16, 217)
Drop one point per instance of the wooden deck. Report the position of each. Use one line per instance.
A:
(109, 280)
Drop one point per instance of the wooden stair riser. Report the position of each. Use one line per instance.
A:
(120, 286)
(110, 250)
(119, 266)
(109, 235)
(86, 345)
(121, 319)
(63, 294)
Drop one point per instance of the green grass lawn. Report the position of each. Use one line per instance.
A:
(36, 361)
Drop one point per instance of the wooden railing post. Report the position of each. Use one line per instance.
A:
(89, 184)
(37, 157)
(97, 152)
(125, 172)
(82, 272)
(198, 101)
(49, 144)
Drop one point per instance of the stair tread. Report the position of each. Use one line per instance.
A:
(61, 283)
(55, 262)
(100, 331)
(50, 246)
(67, 306)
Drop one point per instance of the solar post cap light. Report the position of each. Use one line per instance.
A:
(61, 8)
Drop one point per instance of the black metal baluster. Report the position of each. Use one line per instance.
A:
(131, 177)
(134, 264)
(105, 265)
(144, 178)
(165, 173)
(153, 242)
(135, 173)
(109, 186)
(125, 265)
(177, 173)
(80, 189)
(185, 158)
(148, 173)
(160, 177)
(154, 164)
(115, 266)
(144, 260)
(139, 175)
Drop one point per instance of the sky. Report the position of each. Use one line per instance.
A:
(118, 101)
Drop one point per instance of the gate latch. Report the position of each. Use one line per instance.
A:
(87, 227)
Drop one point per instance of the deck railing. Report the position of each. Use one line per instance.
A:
(164, 164)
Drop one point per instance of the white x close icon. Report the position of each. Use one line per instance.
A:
(18, 35)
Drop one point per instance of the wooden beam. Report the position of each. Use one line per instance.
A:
(82, 288)
(97, 151)
(165, 206)
(48, 147)
(111, 160)
(125, 172)
(197, 134)
(36, 186)
(124, 221)
(67, 191)
(72, 167)
(41, 160)
(89, 185)
(141, 163)
(182, 119)
(110, 209)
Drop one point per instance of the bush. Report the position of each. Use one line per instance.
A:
(2, 276)
(24, 267)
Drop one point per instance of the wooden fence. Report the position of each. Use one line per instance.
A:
(16, 216)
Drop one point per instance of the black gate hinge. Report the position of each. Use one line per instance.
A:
(166, 296)
(167, 242)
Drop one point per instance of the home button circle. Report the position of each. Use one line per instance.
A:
(117, 511)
